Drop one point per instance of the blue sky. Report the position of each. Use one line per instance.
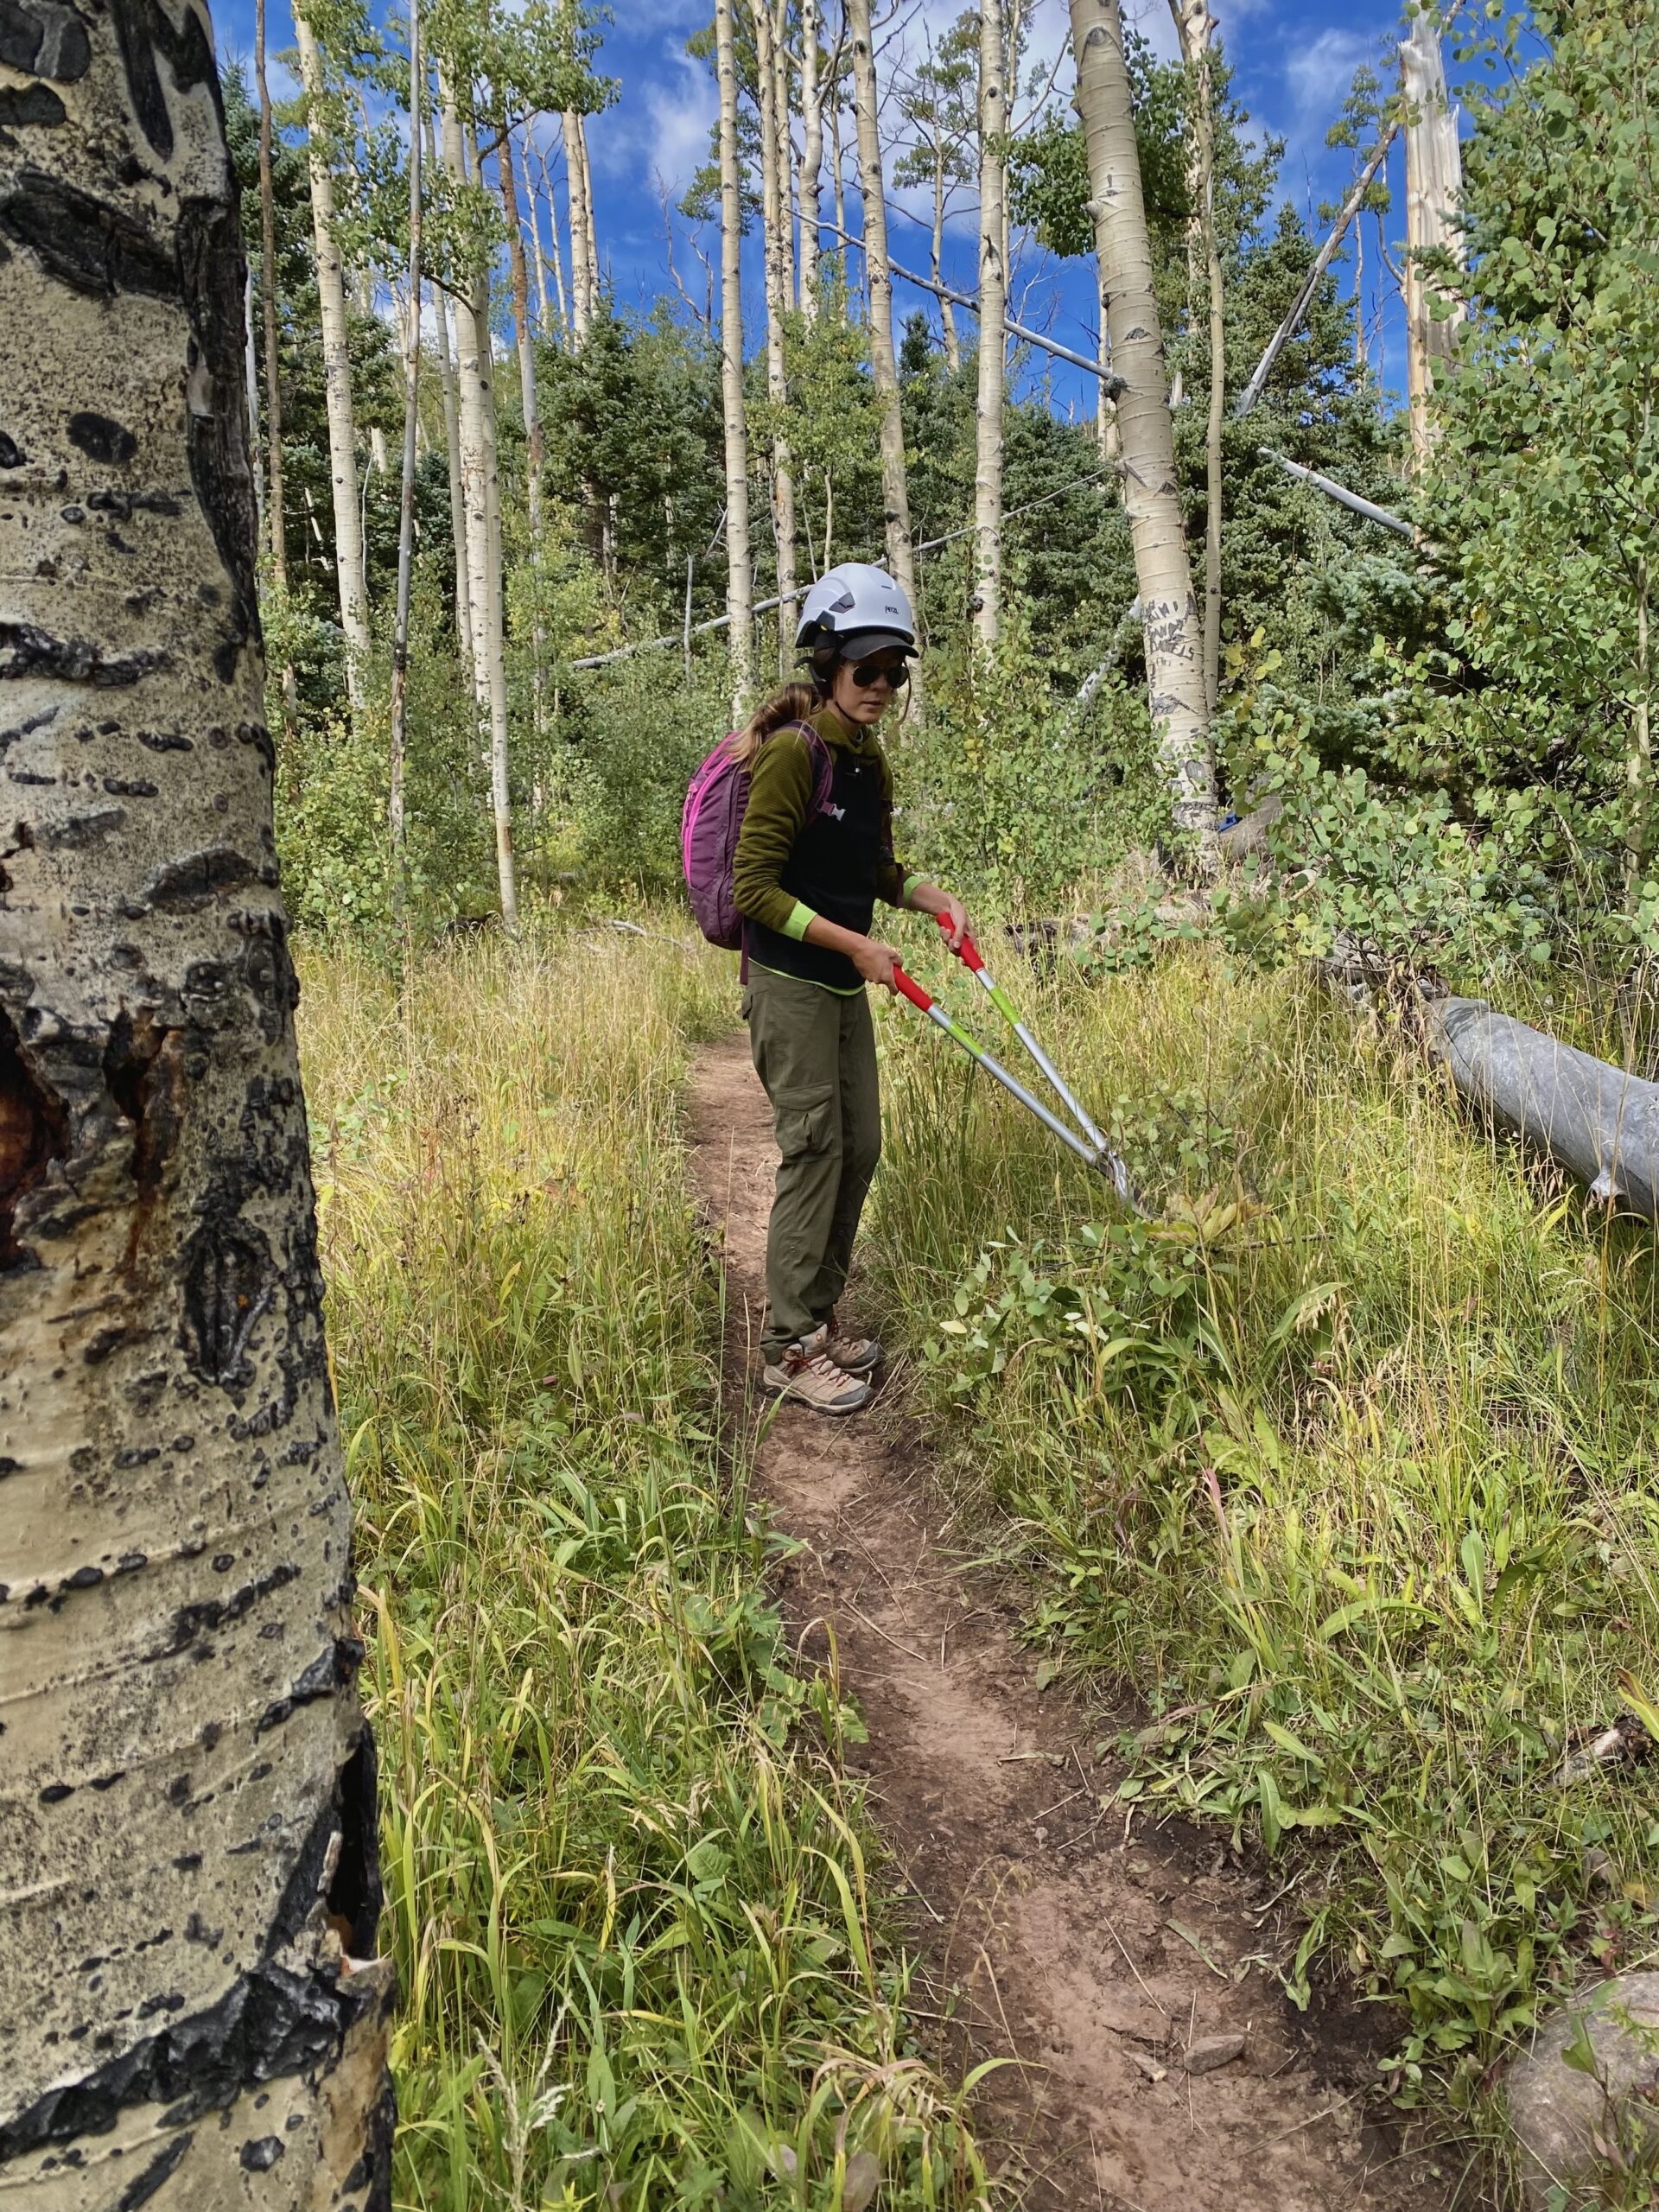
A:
(1292, 60)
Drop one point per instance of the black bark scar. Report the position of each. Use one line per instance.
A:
(43, 38)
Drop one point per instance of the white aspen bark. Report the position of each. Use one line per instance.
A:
(783, 146)
(993, 290)
(395, 810)
(1174, 633)
(581, 266)
(811, 169)
(195, 2016)
(1433, 187)
(534, 207)
(1107, 444)
(947, 311)
(532, 416)
(1198, 28)
(556, 251)
(274, 513)
(838, 189)
(588, 225)
(452, 439)
(895, 496)
(349, 568)
(251, 370)
(740, 575)
(775, 217)
(578, 194)
(474, 370)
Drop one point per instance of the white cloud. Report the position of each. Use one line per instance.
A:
(1318, 75)
(665, 133)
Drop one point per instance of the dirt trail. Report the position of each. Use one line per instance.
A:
(1093, 1953)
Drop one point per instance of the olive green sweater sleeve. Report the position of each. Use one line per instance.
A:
(780, 791)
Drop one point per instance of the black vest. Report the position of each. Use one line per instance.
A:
(832, 869)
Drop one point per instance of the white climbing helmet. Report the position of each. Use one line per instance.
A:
(855, 611)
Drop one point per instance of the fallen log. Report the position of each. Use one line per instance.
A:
(1590, 1117)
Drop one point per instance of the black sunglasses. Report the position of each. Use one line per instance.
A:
(871, 672)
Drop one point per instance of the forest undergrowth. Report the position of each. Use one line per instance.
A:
(1343, 1464)
(641, 1948)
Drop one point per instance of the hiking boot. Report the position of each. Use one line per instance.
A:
(805, 1372)
(852, 1355)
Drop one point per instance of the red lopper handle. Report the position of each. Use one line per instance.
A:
(967, 952)
(910, 988)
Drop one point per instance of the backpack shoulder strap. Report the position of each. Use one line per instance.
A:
(824, 768)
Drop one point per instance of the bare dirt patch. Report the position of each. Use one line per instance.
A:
(1095, 1953)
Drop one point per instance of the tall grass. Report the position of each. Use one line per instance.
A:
(641, 1960)
(1345, 1464)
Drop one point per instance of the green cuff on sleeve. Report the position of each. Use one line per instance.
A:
(910, 882)
(796, 927)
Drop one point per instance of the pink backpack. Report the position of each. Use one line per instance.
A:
(714, 807)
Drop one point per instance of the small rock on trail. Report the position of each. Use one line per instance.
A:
(1039, 1919)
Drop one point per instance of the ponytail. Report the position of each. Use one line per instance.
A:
(795, 702)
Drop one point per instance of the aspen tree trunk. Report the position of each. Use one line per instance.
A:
(276, 519)
(1107, 444)
(947, 312)
(474, 370)
(782, 141)
(1433, 187)
(993, 298)
(811, 169)
(895, 496)
(337, 380)
(740, 575)
(251, 374)
(406, 502)
(1173, 633)
(545, 318)
(774, 203)
(532, 418)
(838, 187)
(1198, 28)
(581, 267)
(557, 252)
(589, 228)
(452, 441)
(195, 2015)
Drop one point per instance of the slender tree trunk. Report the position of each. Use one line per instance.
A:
(993, 301)
(582, 265)
(895, 496)
(268, 288)
(1108, 444)
(779, 34)
(556, 252)
(775, 220)
(947, 312)
(811, 169)
(406, 504)
(349, 568)
(186, 1791)
(452, 441)
(532, 417)
(594, 278)
(1198, 27)
(838, 188)
(740, 575)
(544, 318)
(1359, 297)
(1173, 632)
(1433, 187)
(250, 375)
(475, 372)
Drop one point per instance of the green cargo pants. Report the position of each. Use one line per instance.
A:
(815, 1051)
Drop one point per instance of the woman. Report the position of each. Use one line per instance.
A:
(807, 882)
